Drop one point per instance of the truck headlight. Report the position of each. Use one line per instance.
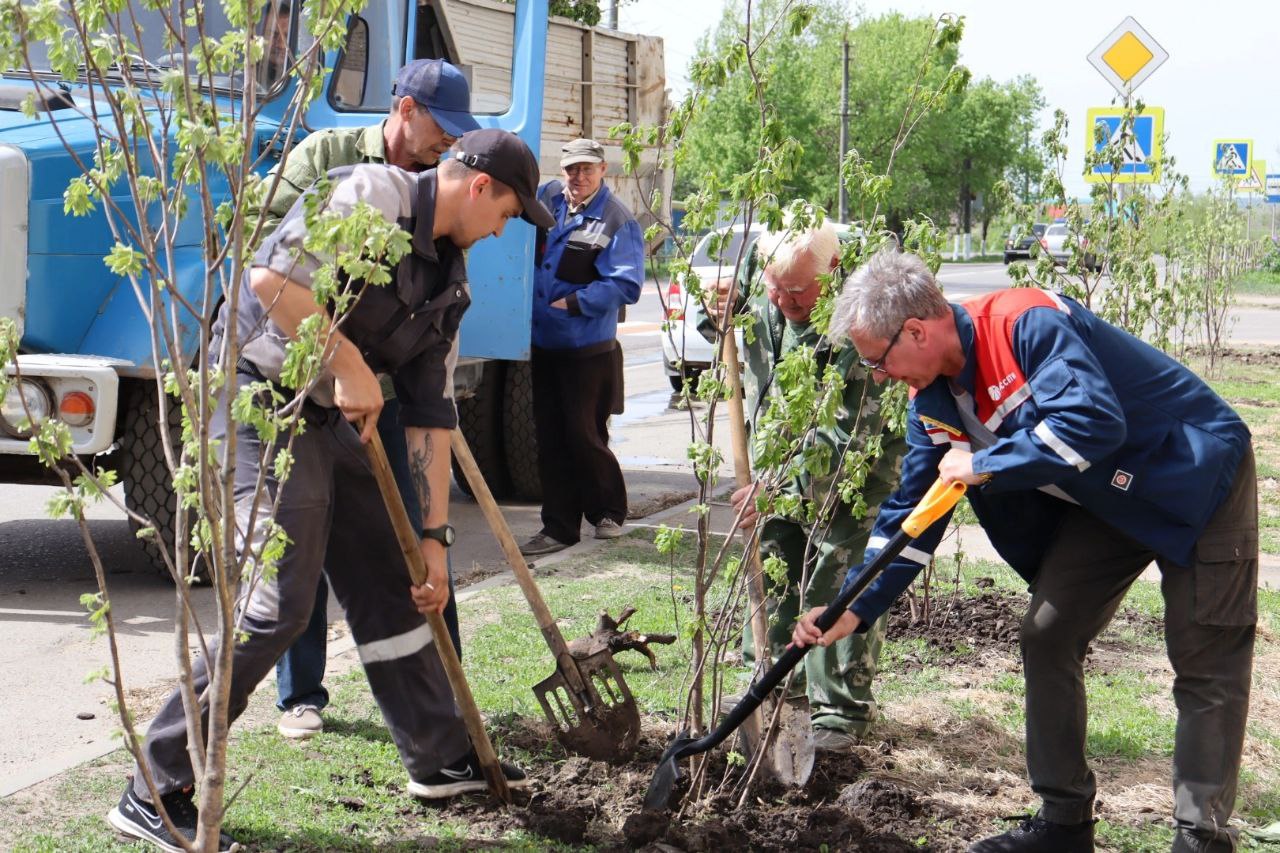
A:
(28, 403)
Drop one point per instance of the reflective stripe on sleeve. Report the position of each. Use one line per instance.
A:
(1060, 447)
(394, 648)
(915, 555)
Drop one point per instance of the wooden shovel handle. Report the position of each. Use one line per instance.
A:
(410, 546)
(498, 524)
(742, 477)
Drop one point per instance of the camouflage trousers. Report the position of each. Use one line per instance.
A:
(837, 679)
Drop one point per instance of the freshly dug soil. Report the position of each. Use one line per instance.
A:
(583, 802)
(964, 627)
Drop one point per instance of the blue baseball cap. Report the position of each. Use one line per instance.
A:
(440, 88)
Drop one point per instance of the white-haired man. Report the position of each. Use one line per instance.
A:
(782, 280)
(1094, 454)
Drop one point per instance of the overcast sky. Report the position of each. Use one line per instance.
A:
(1222, 78)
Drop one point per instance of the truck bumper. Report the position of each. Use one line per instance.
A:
(61, 375)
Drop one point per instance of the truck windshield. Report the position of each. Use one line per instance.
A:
(157, 52)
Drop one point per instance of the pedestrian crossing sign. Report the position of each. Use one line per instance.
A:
(1256, 180)
(1231, 156)
(1140, 144)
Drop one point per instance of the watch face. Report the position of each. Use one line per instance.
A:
(449, 534)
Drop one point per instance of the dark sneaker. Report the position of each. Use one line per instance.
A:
(463, 777)
(833, 740)
(1037, 835)
(542, 544)
(608, 529)
(301, 722)
(1187, 841)
(139, 819)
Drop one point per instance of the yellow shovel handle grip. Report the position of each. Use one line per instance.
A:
(936, 503)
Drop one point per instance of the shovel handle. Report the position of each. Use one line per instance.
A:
(498, 524)
(410, 546)
(937, 501)
(742, 477)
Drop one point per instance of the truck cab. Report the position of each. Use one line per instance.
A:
(87, 354)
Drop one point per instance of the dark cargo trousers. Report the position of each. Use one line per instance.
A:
(1209, 624)
(332, 511)
(836, 678)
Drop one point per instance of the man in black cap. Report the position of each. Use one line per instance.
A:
(330, 507)
(430, 108)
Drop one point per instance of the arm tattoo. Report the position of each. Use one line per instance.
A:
(419, 462)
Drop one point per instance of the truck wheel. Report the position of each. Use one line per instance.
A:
(480, 419)
(148, 485)
(519, 438)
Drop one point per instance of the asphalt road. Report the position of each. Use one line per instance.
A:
(47, 648)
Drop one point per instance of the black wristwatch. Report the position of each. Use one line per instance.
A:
(444, 534)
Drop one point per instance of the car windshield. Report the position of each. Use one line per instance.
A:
(1038, 228)
(727, 253)
(1056, 231)
(154, 54)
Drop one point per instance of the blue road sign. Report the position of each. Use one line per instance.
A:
(1141, 146)
(1231, 156)
(1273, 188)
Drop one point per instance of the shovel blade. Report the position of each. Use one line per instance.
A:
(603, 724)
(667, 774)
(789, 755)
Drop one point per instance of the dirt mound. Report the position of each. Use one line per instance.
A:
(962, 627)
(578, 801)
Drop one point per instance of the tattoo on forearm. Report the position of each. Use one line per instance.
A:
(419, 462)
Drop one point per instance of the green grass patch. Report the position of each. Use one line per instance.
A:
(1258, 283)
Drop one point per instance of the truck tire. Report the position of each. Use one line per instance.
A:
(519, 438)
(148, 485)
(480, 419)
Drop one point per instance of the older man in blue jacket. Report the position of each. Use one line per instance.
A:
(1094, 455)
(588, 265)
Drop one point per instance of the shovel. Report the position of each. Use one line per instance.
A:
(789, 754)
(585, 699)
(936, 503)
(410, 546)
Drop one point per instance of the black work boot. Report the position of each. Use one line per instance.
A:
(1037, 835)
(1186, 841)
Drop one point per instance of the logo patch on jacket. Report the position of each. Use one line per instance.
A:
(994, 391)
(1122, 480)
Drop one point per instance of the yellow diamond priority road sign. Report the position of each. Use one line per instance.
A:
(1127, 56)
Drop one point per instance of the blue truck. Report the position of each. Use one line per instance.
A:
(86, 354)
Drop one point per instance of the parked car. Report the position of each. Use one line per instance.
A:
(1055, 244)
(685, 352)
(1018, 244)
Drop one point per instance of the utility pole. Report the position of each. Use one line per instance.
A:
(611, 20)
(843, 205)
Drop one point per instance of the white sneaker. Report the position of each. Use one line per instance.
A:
(301, 722)
(608, 529)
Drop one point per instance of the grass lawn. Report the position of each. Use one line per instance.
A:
(950, 731)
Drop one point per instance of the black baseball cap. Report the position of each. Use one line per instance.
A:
(440, 88)
(503, 156)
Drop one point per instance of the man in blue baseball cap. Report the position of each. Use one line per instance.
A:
(430, 109)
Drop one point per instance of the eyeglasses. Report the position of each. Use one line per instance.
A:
(878, 364)
(790, 291)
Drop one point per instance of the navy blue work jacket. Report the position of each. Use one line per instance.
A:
(594, 260)
(1059, 406)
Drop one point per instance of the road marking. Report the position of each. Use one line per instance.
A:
(638, 327)
(16, 611)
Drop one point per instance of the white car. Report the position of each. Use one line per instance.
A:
(1054, 242)
(682, 344)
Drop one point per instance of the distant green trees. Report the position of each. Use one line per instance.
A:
(964, 144)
